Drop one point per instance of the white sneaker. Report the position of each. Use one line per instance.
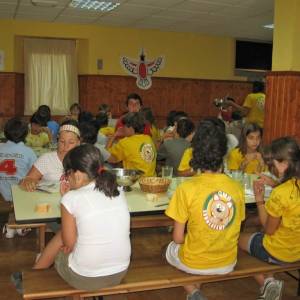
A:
(272, 290)
(8, 232)
(196, 295)
(23, 231)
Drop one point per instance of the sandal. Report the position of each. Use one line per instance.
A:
(23, 231)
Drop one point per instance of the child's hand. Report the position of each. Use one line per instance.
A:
(168, 135)
(267, 180)
(120, 132)
(28, 184)
(66, 249)
(259, 190)
(64, 185)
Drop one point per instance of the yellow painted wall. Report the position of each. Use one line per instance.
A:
(286, 42)
(187, 55)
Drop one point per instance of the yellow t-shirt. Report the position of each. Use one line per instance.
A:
(37, 140)
(213, 205)
(136, 152)
(284, 203)
(185, 160)
(107, 130)
(256, 103)
(235, 159)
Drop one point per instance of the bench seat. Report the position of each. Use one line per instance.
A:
(143, 274)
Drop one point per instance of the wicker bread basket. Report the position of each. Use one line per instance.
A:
(154, 184)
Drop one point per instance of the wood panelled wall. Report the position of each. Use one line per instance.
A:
(282, 109)
(11, 94)
(193, 96)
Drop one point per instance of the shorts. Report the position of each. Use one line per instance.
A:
(256, 249)
(173, 259)
(82, 282)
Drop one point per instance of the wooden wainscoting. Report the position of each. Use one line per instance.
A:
(194, 96)
(11, 94)
(282, 109)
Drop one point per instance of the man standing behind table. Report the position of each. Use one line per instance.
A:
(134, 104)
(253, 108)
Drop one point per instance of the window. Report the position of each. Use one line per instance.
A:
(50, 74)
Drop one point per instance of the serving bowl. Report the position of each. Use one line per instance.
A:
(126, 177)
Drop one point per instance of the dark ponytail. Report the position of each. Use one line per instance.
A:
(88, 159)
(106, 182)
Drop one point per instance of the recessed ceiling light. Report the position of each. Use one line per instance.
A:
(94, 5)
(269, 26)
(45, 3)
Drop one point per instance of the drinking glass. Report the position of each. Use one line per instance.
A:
(167, 172)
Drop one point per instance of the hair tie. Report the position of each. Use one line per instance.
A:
(63, 178)
(100, 170)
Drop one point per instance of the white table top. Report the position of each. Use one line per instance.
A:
(25, 204)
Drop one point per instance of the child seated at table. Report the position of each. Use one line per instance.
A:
(49, 165)
(247, 157)
(38, 135)
(279, 215)
(210, 207)
(92, 250)
(184, 168)
(104, 131)
(75, 110)
(88, 135)
(172, 150)
(107, 110)
(45, 113)
(136, 150)
(16, 159)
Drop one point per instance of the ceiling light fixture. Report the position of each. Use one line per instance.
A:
(94, 5)
(44, 3)
(269, 26)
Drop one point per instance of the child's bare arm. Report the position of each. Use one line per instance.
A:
(178, 232)
(272, 224)
(68, 229)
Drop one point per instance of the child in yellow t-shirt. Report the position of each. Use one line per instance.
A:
(136, 150)
(247, 156)
(212, 205)
(279, 215)
(38, 135)
(104, 131)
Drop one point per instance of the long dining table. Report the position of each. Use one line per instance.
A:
(27, 204)
(44, 206)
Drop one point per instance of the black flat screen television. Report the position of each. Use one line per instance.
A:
(253, 55)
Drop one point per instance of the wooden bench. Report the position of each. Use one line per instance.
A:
(144, 274)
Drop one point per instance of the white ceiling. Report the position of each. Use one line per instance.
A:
(235, 18)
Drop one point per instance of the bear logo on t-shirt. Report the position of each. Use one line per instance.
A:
(219, 210)
(147, 152)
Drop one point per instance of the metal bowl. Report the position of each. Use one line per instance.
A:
(126, 178)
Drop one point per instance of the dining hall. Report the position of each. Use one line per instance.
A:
(149, 149)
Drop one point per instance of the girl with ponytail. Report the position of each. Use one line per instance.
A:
(92, 250)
